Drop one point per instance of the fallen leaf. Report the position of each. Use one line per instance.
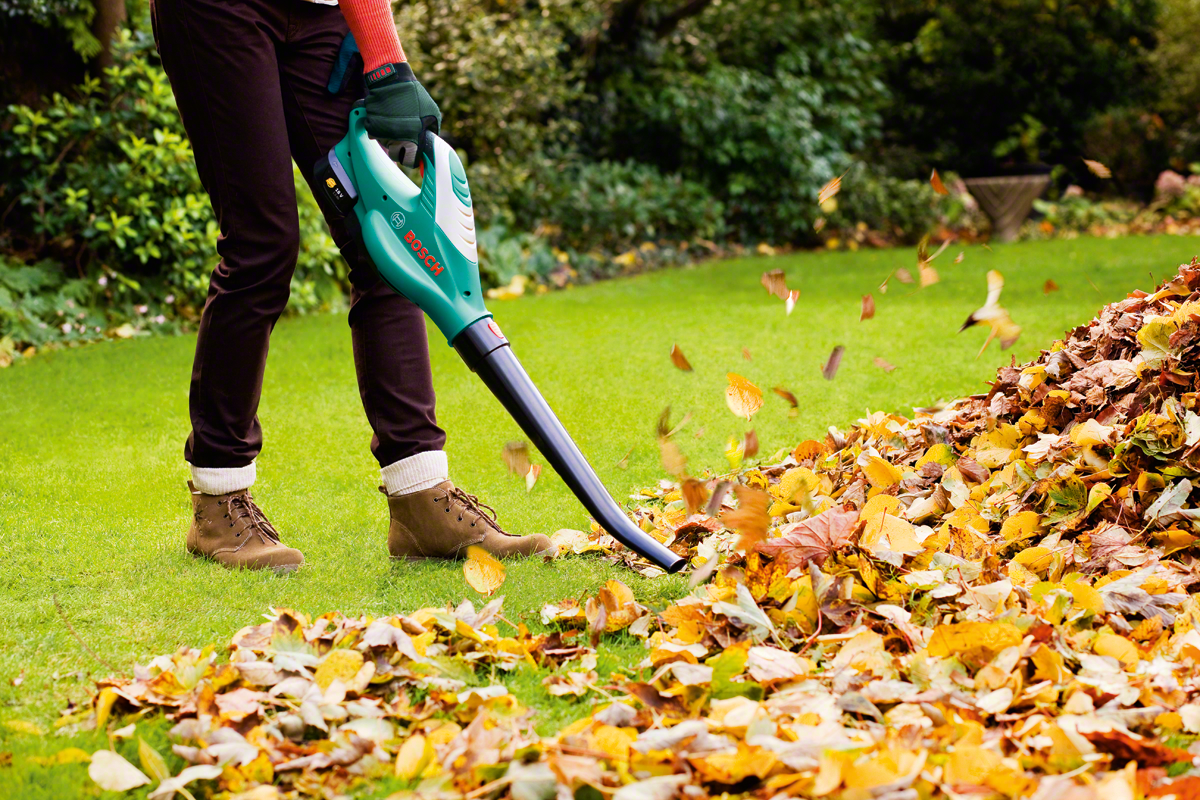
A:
(113, 773)
(742, 396)
(831, 366)
(415, 756)
(1049, 286)
(1097, 169)
(152, 761)
(169, 787)
(935, 181)
(679, 359)
(812, 539)
(883, 364)
(483, 572)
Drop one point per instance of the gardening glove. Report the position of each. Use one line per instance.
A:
(399, 111)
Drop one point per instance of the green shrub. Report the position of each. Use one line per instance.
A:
(104, 184)
(1079, 213)
(978, 83)
(904, 210)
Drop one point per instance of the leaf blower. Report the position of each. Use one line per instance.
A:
(422, 241)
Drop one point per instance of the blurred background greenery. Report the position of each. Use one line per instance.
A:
(610, 136)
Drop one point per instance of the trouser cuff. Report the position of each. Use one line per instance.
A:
(415, 473)
(222, 480)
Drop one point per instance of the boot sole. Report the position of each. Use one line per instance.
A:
(282, 569)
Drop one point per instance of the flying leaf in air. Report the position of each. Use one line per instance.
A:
(994, 316)
(883, 364)
(868, 308)
(742, 396)
(746, 353)
(904, 276)
(829, 190)
(750, 518)
(1097, 169)
(792, 297)
(750, 448)
(679, 359)
(818, 224)
(1049, 286)
(835, 360)
(775, 283)
(789, 397)
(695, 495)
(483, 572)
(531, 477)
(935, 181)
(961, 255)
(674, 462)
(516, 457)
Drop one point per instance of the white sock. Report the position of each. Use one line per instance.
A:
(222, 480)
(415, 473)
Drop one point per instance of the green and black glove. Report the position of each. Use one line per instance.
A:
(399, 111)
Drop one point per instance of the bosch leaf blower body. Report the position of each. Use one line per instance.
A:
(422, 241)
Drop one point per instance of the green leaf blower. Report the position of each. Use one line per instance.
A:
(422, 241)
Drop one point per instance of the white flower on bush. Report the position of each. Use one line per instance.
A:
(160, 319)
(169, 299)
(1169, 184)
(66, 327)
(143, 309)
(102, 280)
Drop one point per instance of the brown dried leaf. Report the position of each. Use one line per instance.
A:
(883, 364)
(750, 448)
(903, 275)
(746, 353)
(516, 457)
(813, 539)
(868, 308)
(775, 283)
(1049, 286)
(695, 495)
(786, 395)
(835, 360)
(679, 359)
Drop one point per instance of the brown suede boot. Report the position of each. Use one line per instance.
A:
(444, 521)
(233, 531)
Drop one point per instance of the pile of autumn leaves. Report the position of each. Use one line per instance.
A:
(992, 599)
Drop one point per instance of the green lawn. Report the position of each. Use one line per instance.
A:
(93, 505)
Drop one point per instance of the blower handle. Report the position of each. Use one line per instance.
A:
(487, 353)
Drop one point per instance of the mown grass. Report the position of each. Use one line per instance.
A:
(93, 505)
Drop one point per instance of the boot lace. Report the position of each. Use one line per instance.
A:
(482, 510)
(241, 506)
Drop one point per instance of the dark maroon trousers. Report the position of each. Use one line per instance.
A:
(249, 78)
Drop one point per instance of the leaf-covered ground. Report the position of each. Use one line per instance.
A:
(92, 508)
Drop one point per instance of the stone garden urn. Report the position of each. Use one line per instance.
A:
(1007, 200)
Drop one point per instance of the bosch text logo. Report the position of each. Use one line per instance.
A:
(422, 253)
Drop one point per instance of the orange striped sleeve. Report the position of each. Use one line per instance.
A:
(374, 30)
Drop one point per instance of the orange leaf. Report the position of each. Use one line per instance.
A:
(679, 359)
(742, 396)
(484, 573)
(1049, 286)
(750, 518)
(868, 308)
(695, 495)
(830, 189)
(746, 353)
(516, 457)
(792, 297)
(883, 364)
(1097, 169)
(531, 477)
(786, 395)
(775, 283)
(751, 446)
(935, 181)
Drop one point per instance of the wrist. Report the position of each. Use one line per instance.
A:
(387, 74)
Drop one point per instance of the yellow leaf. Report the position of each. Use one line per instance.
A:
(21, 726)
(742, 396)
(1019, 526)
(969, 765)
(153, 764)
(415, 755)
(880, 473)
(1086, 597)
(484, 573)
(829, 190)
(613, 742)
(1118, 647)
(996, 448)
(1097, 169)
(881, 504)
(1035, 559)
(104, 704)
(973, 639)
(340, 664)
(1090, 434)
(1049, 665)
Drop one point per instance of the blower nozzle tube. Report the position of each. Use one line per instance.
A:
(487, 353)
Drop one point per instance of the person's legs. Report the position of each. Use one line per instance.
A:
(391, 353)
(220, 58)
